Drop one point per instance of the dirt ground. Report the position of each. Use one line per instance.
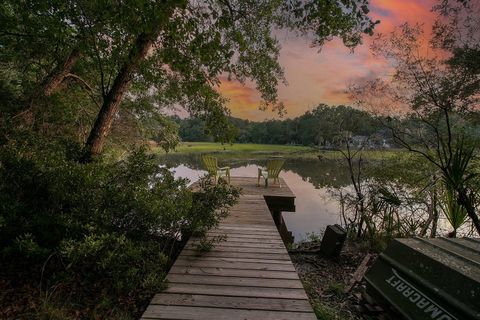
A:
(327, 280)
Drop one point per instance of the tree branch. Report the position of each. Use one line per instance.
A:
(85, 85)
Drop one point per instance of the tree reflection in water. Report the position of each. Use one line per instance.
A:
(309, 179)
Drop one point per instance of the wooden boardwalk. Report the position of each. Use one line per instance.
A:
(247, 276)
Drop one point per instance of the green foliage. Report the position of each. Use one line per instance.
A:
(391, 198)
(100, 229)
(314, 237)
(220, 195)
(123, 264)
(455, 213)
(26, 244)
(337, 288)
(325, 312)
(458, 176)
(205, 244)
(457, 171)
(195, 46)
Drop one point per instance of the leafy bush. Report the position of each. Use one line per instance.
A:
(104, 229)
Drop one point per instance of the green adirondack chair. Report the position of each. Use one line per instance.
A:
(274, 167)
(211, 165)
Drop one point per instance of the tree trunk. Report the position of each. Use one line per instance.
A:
(49, 85)
(360, 223)
(430, 212)
(465, 201)
(55, 78)
(433, 232)
(432, 217)
(111, 103)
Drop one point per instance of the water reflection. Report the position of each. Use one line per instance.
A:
(308, 179)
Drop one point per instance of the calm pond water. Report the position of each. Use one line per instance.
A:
(313, 182)
(309, 179)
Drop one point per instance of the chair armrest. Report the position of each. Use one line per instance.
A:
(224, 168)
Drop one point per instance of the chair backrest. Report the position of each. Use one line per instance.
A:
(274, 166)
(210, 163)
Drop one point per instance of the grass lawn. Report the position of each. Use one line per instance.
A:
(212, 147)
(242, 150)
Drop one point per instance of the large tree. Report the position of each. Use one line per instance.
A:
(171, 53)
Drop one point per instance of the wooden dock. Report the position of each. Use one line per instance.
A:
(247, 276)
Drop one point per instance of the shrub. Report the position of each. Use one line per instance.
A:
(104, 229)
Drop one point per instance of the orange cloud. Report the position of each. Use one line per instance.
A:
(242, 98)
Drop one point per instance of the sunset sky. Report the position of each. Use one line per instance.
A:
(321, 77)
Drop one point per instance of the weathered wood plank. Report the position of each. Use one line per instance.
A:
(174, 299)
(206, 271)
(227, 228)
(217, 263)
(259, 222)
(246, 220)
(245, 231)
(249, 236)
(234, 281)
(239, 248)
(204, 313)
(236, 218)
(253, 209)
(247, 213)
(235, 239)
(237, 291)
(244, 244)
(234, 259)
(251, 255)
(246, 226)
(251, 228)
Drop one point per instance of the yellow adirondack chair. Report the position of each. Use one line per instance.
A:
(211, 165)
(274, 167)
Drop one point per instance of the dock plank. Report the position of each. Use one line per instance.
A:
(227, 254)
(241, 248)
(240, 281)
(234, 265)
(249, 236)
(234, 272)
(204, 313)
(244, 244)
(235, 259)
(249, 240)
(238, 291)
(174, 299)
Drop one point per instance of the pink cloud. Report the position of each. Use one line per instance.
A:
(322, 77)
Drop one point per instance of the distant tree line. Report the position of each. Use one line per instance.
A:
(323, 127)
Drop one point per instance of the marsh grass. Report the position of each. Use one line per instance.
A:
(243, 150)
(206, 245)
